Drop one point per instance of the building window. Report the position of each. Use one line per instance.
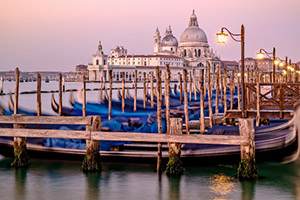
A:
(184, 53)
(195, 53)
(199, 52)
(97, 62)
(145, 63)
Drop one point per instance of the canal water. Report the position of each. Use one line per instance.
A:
(53, 179)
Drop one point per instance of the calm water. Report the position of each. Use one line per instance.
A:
(64, 180)
(49, 179)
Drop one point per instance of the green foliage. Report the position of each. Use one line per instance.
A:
(174, 166)
(20, 159)
(247, 169)
(91, 162)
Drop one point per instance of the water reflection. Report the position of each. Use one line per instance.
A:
(174, 188)
(93, 180)
(20, 183)
(248, 190)
(222, 185)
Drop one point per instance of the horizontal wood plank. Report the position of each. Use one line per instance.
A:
(268, 114)
(71, 120)
(149, 137)
(40, 133)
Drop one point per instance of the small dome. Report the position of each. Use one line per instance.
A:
(193, 34)
(169, 40)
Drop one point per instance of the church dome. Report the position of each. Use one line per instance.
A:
(193, 33)
(169, 40)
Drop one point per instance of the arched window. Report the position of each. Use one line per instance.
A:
(195, 53)
(171, 49)
(199, 52)
(97, 62)
(184, 53)
(104, 62)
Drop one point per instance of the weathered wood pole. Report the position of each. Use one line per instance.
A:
(38, 95)
(217, 88)
(159, 122)
(222, 88)
(167, 97)
(17, 78)
(238, 89)
(181, 89)
(152, 88)
(186, 111)
(247, 89)
(92, 159)
(174, 166)
(258, 103)
(101, 88)
(247, 167)
(281, 101)
(191, 80)
(231, 90)
(144, 96)
(60, 94)
(110, 94)
(84, 97)
(209, 96)
(20, 151)
(135, 90)
(202, 122)
(1, 85)
(225, 91)
(63, 84)
(194, 84)
(286, 69)
(123, 91)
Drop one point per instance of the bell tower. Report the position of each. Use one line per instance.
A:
(157, 41)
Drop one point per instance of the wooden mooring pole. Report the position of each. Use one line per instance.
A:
(181, 89)
(194, 85)
(159, 122)
(186, 111)
(209, 95)
(152, 88)
(174, 166)
(84, 97)
(92, 159)
(38, 95)
(202, 122)
(217, 88)
(167, 97)
(20, 151)
(110, 94)
(225, 91)
(135, 90)
(247, 168)
(238, 90)
(123, 91)
(144, 90)
(190, 76)
(60, 94)
(1, 85)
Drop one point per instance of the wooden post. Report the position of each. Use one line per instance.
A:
(144, 96)
(225, 91)
(191, 80)
(17, 77)
(38, 95)
(238, 90)
(84, 97)
(181, 89)
(60, 94)
(101, 88)
(20, 152)
(135, 90)
(258, 103)
(209, 96)
(217, 89)
(231, 90)
(222, 88)
(159, 122)
(247, 90)
(194, 84)
(92, 160)
(63, 84)
(174, 167)
(123, 91)
(110, 94)
(1, 85)
(247, 167)
(186, 111)
(167, 97)
(202, 123)
(152, 88)
(281, 97)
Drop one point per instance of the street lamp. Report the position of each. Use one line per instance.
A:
(272, 55)
(222, 38)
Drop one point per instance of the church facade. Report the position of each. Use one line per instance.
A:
(192, 52)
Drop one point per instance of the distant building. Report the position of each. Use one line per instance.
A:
(229, 65)
(81, 69)
(263, 65)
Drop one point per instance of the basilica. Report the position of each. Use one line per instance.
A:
(192, 52)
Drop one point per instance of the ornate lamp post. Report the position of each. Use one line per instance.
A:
(222, 38)
(261, 54)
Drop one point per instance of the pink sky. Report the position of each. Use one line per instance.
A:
(60, 34)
